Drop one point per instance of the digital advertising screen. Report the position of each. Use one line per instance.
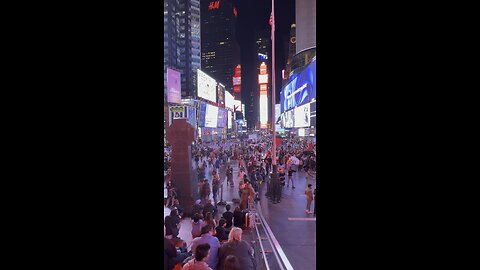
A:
(201, 114)
(302, 116)
(221, 95)
(238, 105)
(229, 100)
(211, 116)
(300, 89)
(229, 121)
(289, 119)
(173, 86)
(222, 118)
(206, 86)
(192, 116)
(313, 114)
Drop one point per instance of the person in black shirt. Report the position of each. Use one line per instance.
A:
(238, 218)
(228, 216)
(222, 234)
(290, 175)
(170, 252)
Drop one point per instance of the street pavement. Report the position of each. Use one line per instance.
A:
(294, 230)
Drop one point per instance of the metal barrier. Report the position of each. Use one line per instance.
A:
(268, 244)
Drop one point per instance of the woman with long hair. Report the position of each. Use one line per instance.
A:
(239, 248)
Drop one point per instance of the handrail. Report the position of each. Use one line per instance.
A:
(261, 246)
(283, 260)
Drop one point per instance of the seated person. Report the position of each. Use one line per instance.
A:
(228, 216)
(222, 233)
(238, 218)
(207, 238)
(208, 208)
(172, 257)
(199, 262)
(172, 224)
(197, 208)
(197, 224)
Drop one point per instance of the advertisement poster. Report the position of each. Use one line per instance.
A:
(289, 119)
(278, 118)
(221, 95)
(222, 118)
(211, 116)
(238, 105)
(229, 100)
(201, 114)
(300, 89)
(206, 87)
(192, 116)
(302, 116)
(173, 86)
(313, 114)
(229, 122)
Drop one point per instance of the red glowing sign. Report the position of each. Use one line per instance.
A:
(214, 5)
(235, 11)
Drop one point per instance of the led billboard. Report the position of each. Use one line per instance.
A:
(222, 118)
(302, 116)
(238, 105)
(229, 100)
(313, 114)
(221, 95)
(288, 119)
(201, 114)
(206, 87)
(300, 89)
(263, 110)
(173, 86)
(229, 121)
(211, 116)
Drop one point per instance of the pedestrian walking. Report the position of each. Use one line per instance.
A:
(290, 178)
(309, 196)
(230, 176)
(215, 185)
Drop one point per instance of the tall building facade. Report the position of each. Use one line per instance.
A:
(220, 52)
(306, 21)
(291, 50)
(181, 42)
(263, 52)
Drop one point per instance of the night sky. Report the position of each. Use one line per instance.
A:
(255, 14)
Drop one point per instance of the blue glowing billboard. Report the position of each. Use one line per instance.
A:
(300, 89)
(201, 114)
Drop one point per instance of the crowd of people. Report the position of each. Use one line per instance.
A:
(217, 244)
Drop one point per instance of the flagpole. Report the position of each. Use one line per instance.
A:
(276, 194)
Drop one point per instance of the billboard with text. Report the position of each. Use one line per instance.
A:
(300, 89)
(206, 86)
(173, 86)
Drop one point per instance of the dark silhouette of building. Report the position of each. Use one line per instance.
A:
(220, 52)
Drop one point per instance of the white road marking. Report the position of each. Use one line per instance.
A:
(304, 219)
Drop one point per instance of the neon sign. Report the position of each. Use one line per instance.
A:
(214, 5)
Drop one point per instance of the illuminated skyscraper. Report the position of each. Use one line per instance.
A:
(181, 41)
(220, 51)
